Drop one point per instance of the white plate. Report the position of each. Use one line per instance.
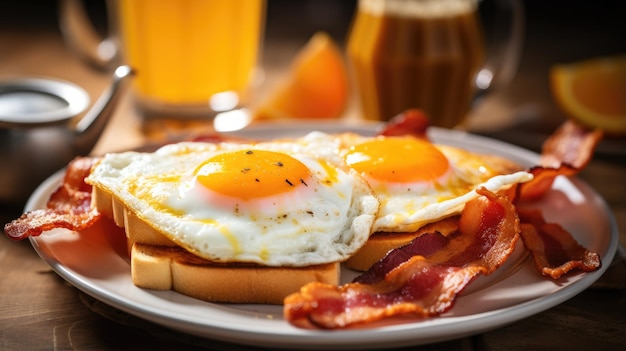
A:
(96, 264)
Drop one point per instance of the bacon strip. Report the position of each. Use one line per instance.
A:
(422, 278)
(216, 138)
(429, 243)
(554, 251)
(565, 152)
(570, 144)
(410, 122)
(68, 207)
(542, 181)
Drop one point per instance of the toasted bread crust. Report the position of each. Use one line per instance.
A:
(136, 229)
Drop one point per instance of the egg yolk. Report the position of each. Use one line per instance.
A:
(249, 174)
(398, 160)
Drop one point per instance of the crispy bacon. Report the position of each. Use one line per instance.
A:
(555, 252)
(68, 207)
(553, 249)
(214, 138)
(570, 144)
(433, 238)
(565, 152)
(410, 122)
(422, 278)
(543, 178)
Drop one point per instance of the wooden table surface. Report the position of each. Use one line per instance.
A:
(40, 311)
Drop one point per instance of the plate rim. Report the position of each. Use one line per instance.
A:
(395, 335)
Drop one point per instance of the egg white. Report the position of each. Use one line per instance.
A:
(326, 221)
(405, 207)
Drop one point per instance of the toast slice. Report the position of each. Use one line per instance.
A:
(158, 263)
(173, 268)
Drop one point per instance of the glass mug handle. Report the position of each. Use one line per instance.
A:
(81, 36)
(503, 53)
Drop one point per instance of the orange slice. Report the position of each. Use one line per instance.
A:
(316, 85)
(593, 92)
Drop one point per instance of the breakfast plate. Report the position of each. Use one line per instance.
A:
(96, 262)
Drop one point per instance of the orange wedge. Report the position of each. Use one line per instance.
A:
(593, 92)
(316, 85)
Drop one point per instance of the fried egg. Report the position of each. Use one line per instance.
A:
(267, 203)
(416, 181)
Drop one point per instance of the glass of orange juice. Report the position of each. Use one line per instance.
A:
(190, 57)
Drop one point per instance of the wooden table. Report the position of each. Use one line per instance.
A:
(39, 310)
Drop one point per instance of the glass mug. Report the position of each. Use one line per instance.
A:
(428, 54)
(190, 57)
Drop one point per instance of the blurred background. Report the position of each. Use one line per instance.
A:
(556, 32)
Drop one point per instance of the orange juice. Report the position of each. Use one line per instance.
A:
(187, 51)
(416, 54)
